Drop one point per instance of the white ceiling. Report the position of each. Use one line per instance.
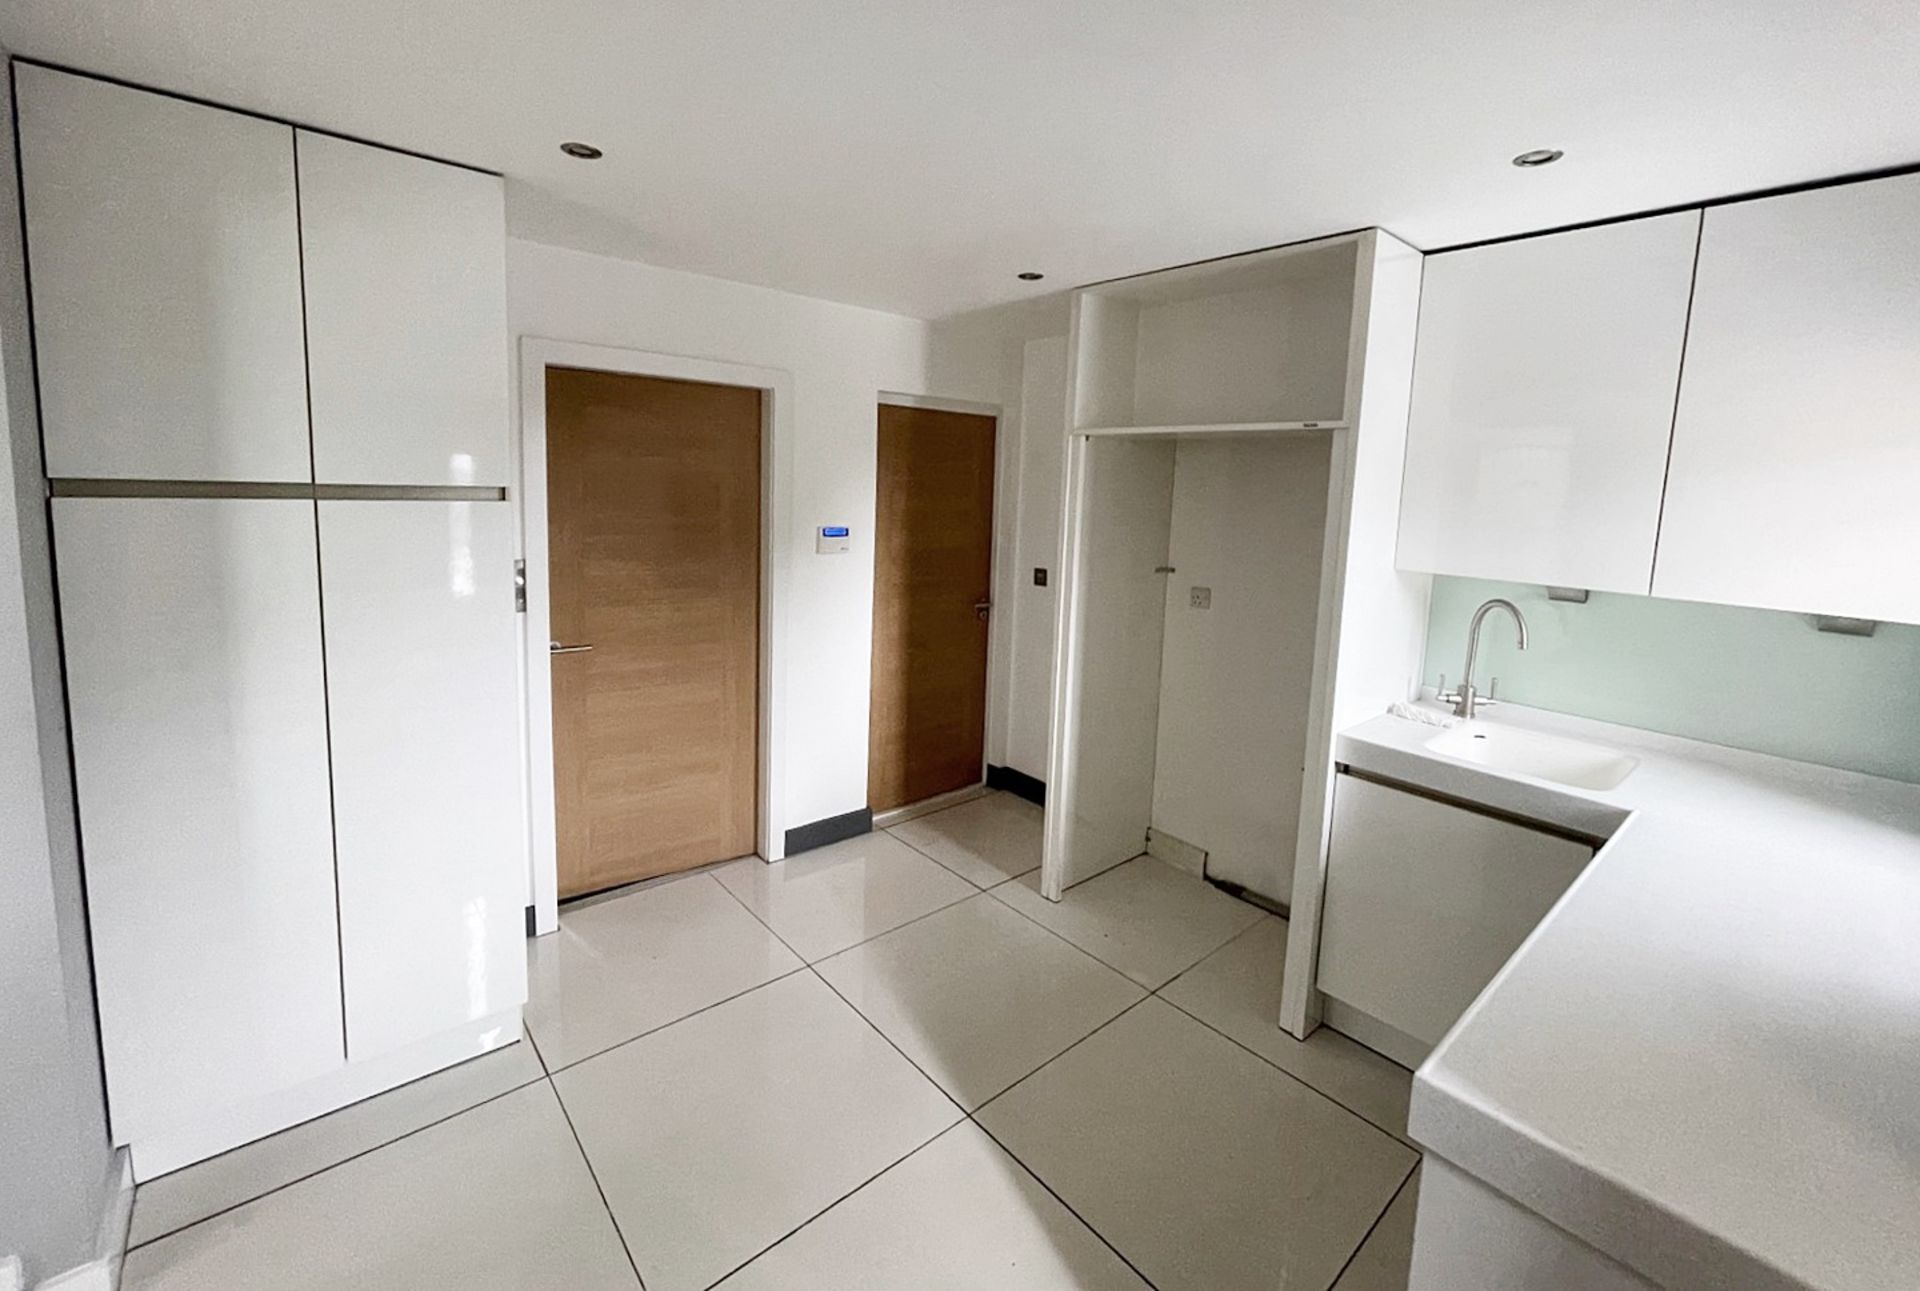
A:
(914, 154)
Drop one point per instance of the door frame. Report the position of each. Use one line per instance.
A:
(1000, 616)
(537, 354)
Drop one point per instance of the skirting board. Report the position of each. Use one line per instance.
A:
(819, 833)
(102, 1272)
(1387, 1041)
(1177, 852)
(1018, 783)
(229, 1127)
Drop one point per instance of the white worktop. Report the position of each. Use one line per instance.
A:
(1705, 1061)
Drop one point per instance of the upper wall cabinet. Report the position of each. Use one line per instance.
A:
(405, 264)
(1543, 402)
(164, 247)
(1796, 449)
(1254, 341)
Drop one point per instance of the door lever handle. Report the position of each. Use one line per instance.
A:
(981, 609)
(554, 647)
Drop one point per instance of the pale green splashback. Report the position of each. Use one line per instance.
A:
(1753, 679)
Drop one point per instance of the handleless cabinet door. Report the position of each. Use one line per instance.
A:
(406, 316)
(1425, 901)
(192, 632)
(165, 255)
(1796, 450)
(422, 678)
(1543, 392)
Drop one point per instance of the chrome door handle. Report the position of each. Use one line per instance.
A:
(981, 609)
(554, 647)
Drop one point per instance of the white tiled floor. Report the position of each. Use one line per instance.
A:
(986, 841)
(854, 1070)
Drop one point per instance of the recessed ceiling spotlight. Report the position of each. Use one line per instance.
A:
(1030, 276)
(584, 151)
(1538, 157)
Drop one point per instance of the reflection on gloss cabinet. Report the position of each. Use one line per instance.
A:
(199, 721)
(404, 262)
(422, 680)
(164, 249)
(1543, 392)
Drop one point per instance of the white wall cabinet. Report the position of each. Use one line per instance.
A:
(422, 686)
(164, 247)
(1796, 451)
(406, 316)
(1424, 903)
(1543, 403)
(192, 634)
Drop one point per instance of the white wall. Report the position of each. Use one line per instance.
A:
(1042, 453)
(54, 1152)
(1236, 679)
(841, 358)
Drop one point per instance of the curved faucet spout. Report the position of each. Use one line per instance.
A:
(1466, 701)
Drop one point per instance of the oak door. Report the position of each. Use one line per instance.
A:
(933, 561)
(654, 491)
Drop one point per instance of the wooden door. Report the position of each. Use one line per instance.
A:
(653, 496)
(933, 560)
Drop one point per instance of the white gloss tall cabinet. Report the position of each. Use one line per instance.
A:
(272, 366)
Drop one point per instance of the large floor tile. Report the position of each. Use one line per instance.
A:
(1203, 1165)
(717, 1136)
(186, 1196)
(986, 841)
(958, 1215)
(621, 967)
(1236, 990)
(1386, 1257)
(827, 900)
(496, 1197)
(1144, 918)
(977, 995)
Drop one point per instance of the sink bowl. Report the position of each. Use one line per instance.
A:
(1544, 757)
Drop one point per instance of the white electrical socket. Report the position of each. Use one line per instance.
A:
(1200, 598)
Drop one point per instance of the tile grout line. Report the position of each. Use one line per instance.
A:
(966, 1117)
(821, 978)
(332, 1165)
(987, 887)
(527, 1031)
(1377, 1220)
(1048, 1189)
(1297, 1079)
(972, 1116)
(809, 963)
(975, 1113)
(890, 1166)
(1263, 1057)
(656, 1030)
(1151, 990)
(594, 1175)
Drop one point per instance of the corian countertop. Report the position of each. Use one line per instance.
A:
(1705, 1061)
